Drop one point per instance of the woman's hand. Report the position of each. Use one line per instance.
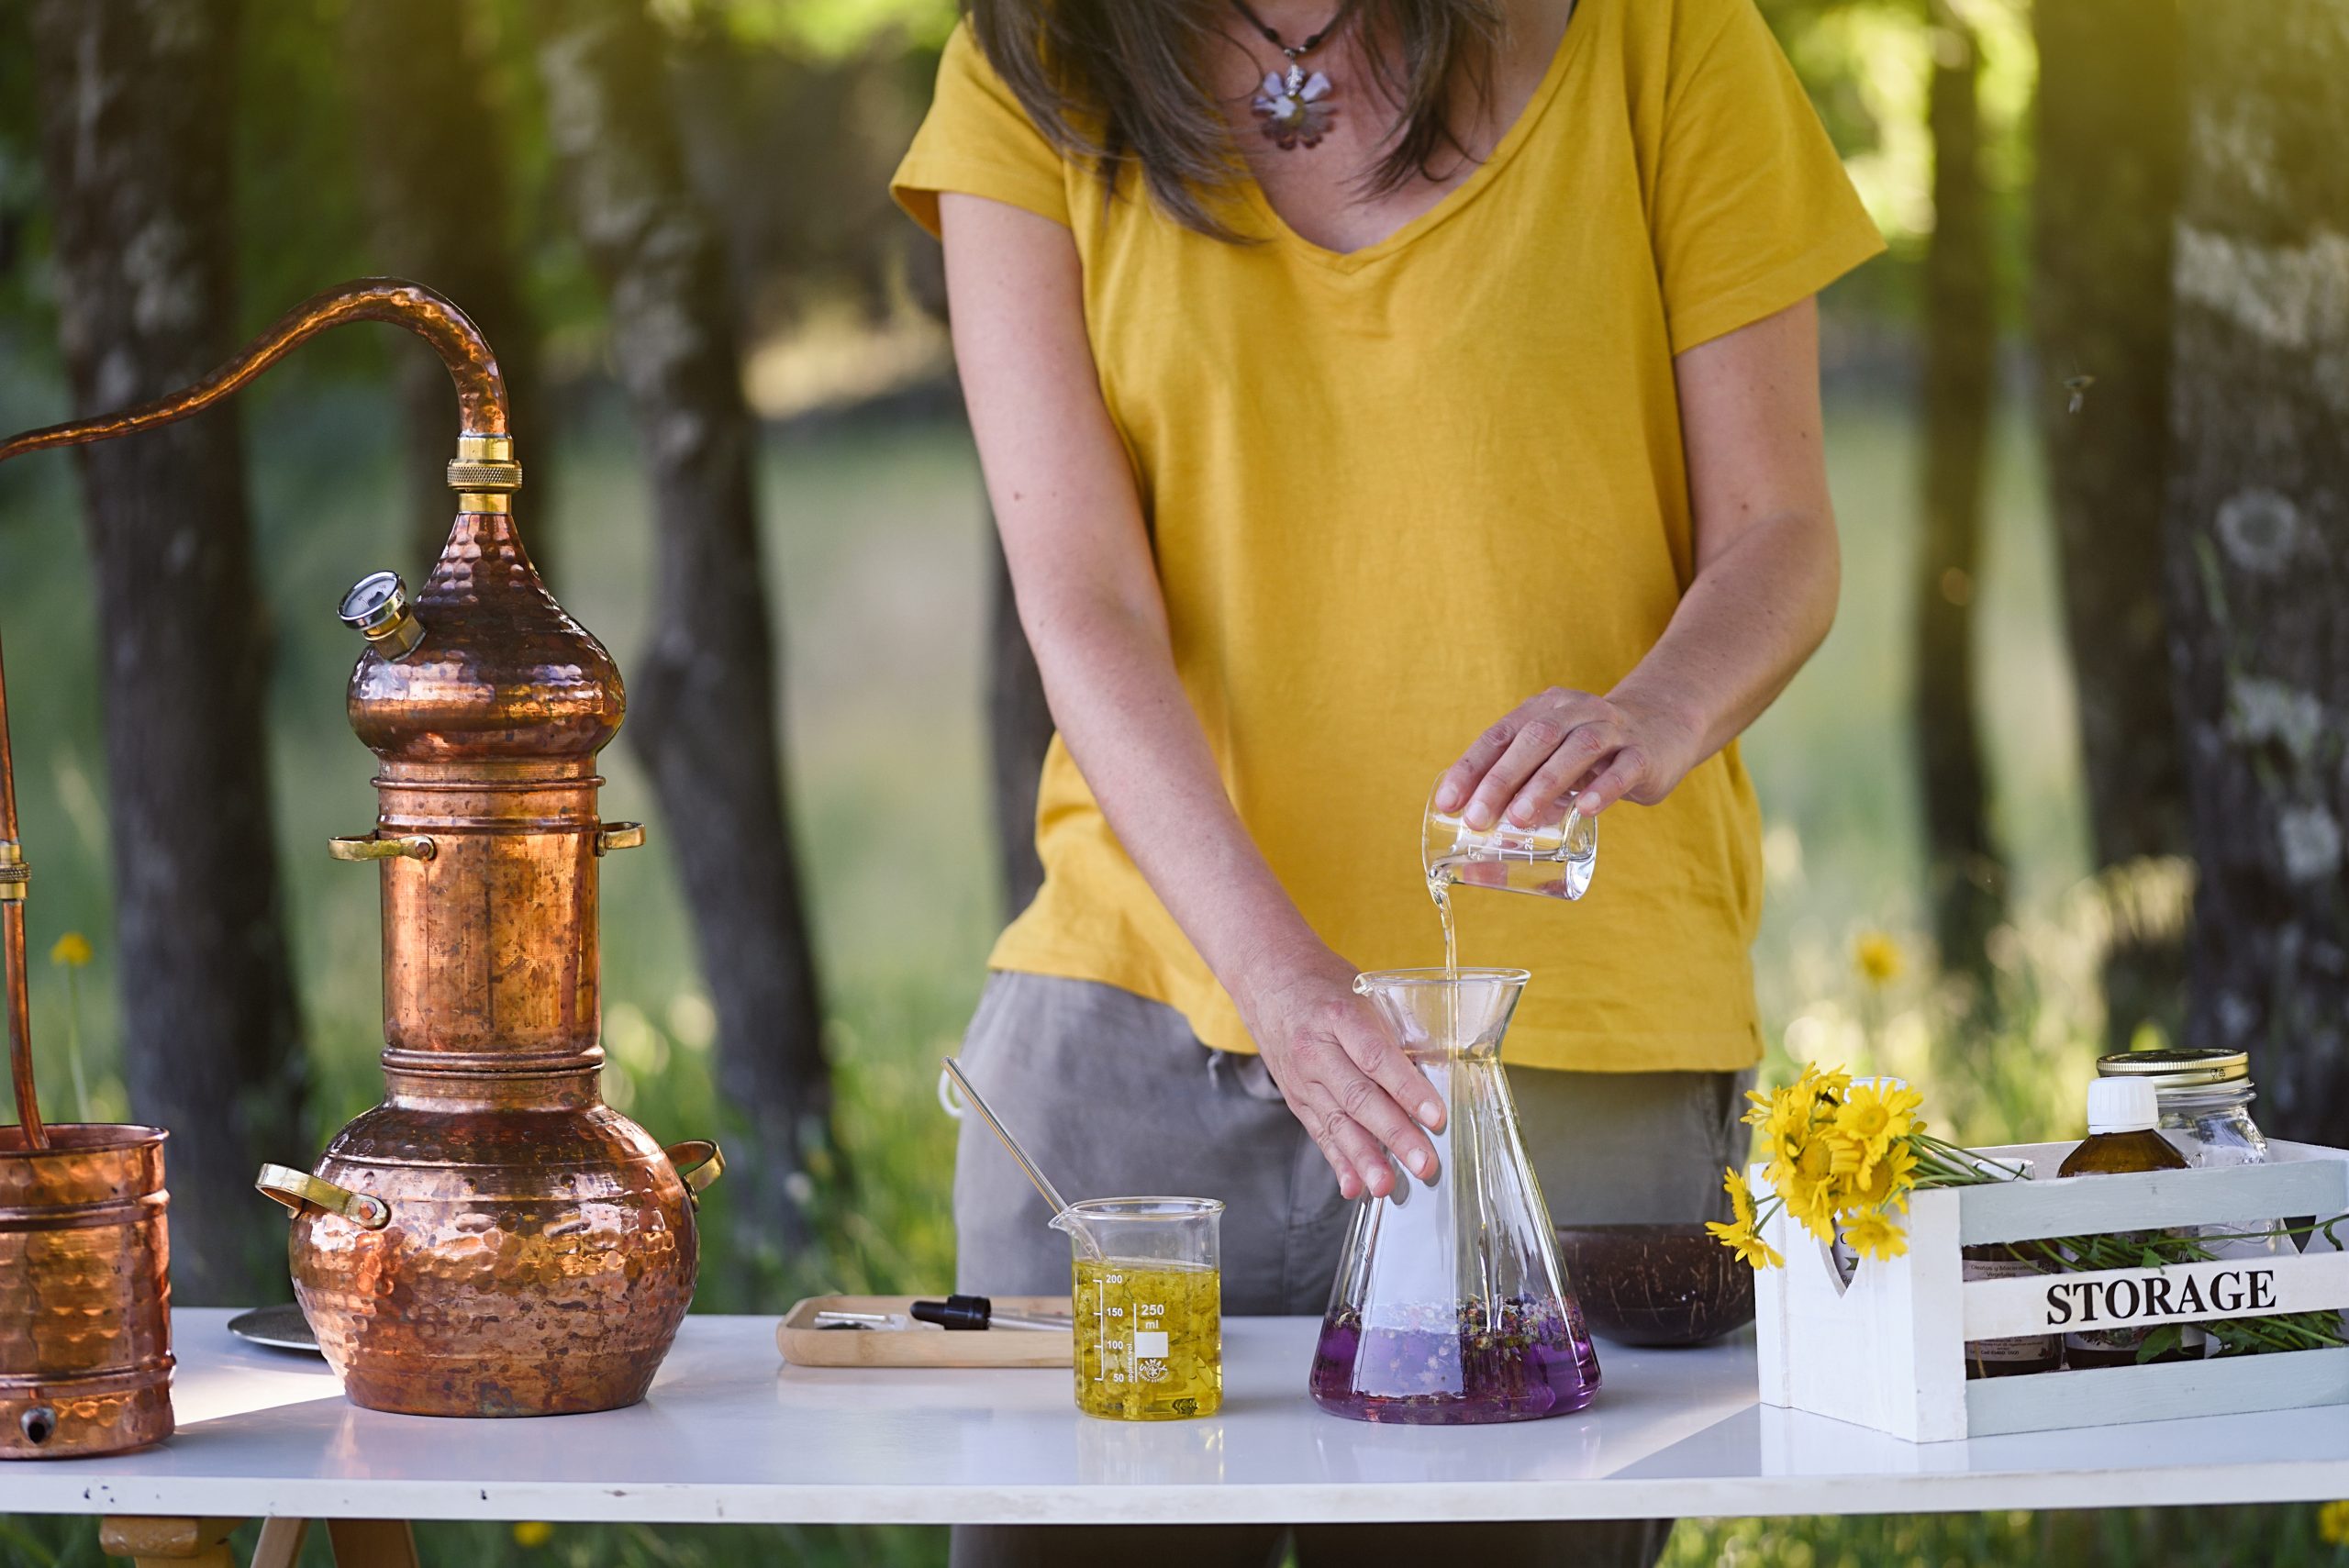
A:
(1560, 742)
(1761, 599)
(1341, 1072)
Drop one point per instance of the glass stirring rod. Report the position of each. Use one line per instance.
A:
(994, 1125)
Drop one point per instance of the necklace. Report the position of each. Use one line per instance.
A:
(1294, 110)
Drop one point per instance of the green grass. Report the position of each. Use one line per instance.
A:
(876, 555)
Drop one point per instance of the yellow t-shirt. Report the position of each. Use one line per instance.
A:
(1394, 493)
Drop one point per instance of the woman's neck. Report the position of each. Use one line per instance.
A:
(1297, 20)
(1317, 190)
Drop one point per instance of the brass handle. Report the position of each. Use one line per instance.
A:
(620, 836)
(407, 847)
(698, 1164)
(298, 1190)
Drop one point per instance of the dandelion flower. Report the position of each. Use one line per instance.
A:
(1872, 1234)
(1808, 1185)
(1884, 1183)
(1741, 1239)
(2332, 1523)
(533, 1533)
(71, 951)
(1877, 957)
(1741, 1196)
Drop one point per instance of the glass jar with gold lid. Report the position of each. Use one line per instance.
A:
(2205, 1096)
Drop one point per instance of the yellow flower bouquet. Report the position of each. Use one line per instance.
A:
(1840, 1157)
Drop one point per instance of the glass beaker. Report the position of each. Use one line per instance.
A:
(1451, 1306)
(1147, 1295)
(1556, 860)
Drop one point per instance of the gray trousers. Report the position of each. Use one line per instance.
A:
(1112, 1094)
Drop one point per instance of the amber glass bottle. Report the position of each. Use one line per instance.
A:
(2122, 1116)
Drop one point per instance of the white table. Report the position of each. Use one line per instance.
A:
(732, 1435)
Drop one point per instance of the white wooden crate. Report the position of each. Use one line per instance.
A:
(1888, 1350)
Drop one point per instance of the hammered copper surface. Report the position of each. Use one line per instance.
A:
(558, 1235)
(85, 1335)
(540, 1250)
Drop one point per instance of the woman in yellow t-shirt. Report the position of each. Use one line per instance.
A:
(1445, 406)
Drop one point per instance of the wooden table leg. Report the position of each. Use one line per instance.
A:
(280, 1545)
(372, 1543)
(170, 1543)
(204, 1543)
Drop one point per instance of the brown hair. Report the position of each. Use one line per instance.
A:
(1113, 81)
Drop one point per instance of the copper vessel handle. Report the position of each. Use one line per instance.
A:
(480, 390)
(698, 1163)
(298, 1190)
(615, 836)
(367, 847)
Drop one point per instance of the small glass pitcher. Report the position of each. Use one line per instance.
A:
(1556, 860)
(1147, 1297)
(1451, 1307)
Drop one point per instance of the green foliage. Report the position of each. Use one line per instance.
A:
(818, 29)
(2282, 1537)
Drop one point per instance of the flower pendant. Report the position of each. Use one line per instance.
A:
(1295, 110)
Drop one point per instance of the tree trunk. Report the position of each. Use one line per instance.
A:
(706, 716)
(1967, 881)
(135, 112)
(1020, 727)
(433, 161)
(2110, 136)
(2258, 546)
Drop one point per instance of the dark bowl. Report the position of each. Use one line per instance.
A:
(1656, 1285)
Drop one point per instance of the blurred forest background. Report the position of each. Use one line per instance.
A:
(2086, 695)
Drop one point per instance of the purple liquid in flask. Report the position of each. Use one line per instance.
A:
(1451, 1307)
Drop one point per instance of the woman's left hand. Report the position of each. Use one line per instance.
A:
(1560, 742)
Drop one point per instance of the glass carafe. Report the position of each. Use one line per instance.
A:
(1451, 1307)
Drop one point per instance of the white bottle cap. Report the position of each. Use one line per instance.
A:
(2122, 1105)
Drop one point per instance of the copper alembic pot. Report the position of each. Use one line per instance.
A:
(86, 1292)
(493, 1239)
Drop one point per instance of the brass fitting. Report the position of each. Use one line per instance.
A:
(615, 836)
(16, 876)
(368, 847)
(484, 473)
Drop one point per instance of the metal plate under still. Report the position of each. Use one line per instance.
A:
(282, 1327)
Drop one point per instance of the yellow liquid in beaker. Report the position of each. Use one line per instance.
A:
(1149, 1340)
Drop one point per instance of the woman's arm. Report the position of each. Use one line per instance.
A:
(1088, 595)
(1760, 605)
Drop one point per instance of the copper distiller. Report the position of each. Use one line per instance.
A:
(493, 1239)
(86, 1292)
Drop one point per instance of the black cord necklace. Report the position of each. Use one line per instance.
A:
(1294, 110)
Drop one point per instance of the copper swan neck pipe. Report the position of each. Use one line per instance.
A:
(484, 473)
(480, 390)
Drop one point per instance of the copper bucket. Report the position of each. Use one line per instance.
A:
(86, 1331)
(85, 1328)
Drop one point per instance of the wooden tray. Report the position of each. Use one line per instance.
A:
(804, 1344)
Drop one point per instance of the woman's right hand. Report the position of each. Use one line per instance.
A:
(1341, 1071)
